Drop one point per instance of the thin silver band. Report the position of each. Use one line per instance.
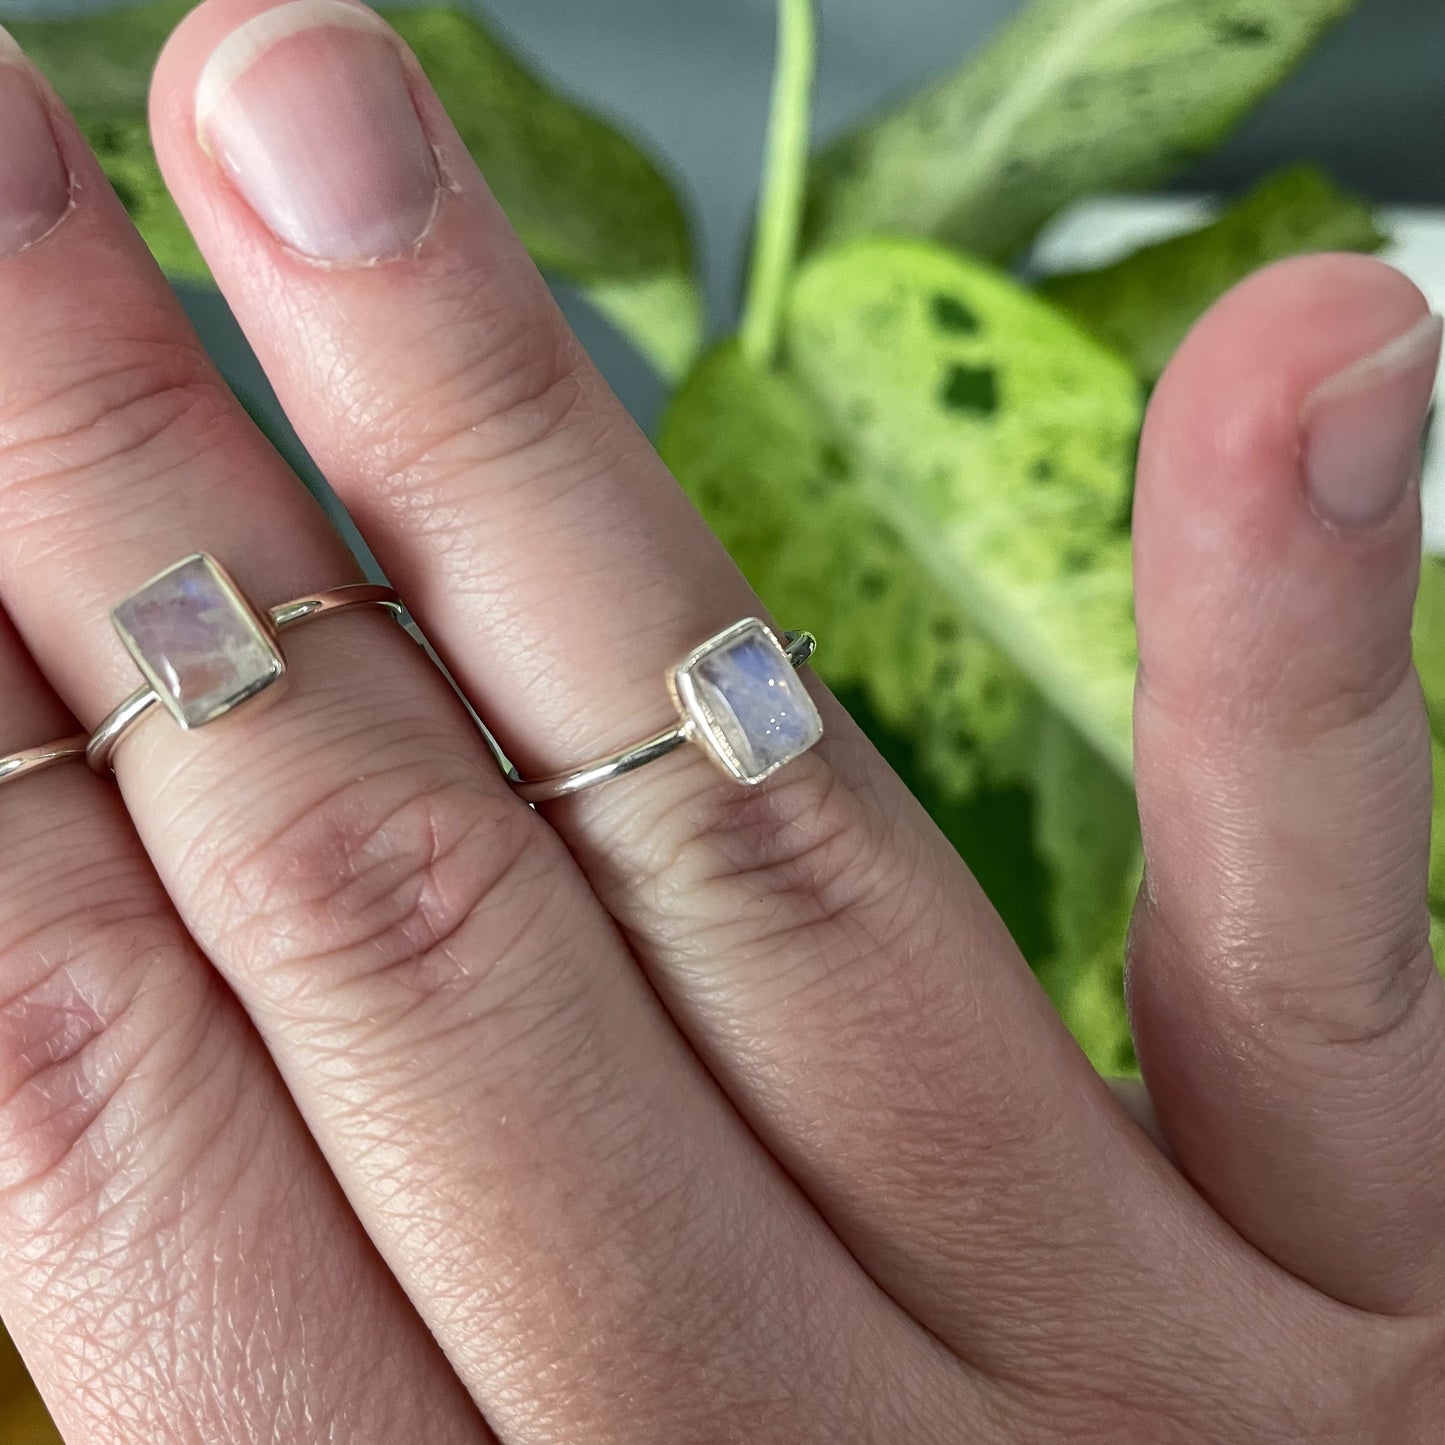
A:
(37, 760)
(100, 750)
(799, 649)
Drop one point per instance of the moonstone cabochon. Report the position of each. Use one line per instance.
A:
(200, 644)
(747, 702)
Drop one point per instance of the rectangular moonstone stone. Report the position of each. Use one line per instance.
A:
(198, 641)
(748, 702)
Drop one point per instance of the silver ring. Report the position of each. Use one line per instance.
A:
(204, 650)
(37, 760)
(738, 697)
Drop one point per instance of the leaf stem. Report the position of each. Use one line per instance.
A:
(780, 214)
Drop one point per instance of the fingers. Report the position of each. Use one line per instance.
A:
(587, 1227)
(1288, 1012)
(175, 1259)
(826, 951)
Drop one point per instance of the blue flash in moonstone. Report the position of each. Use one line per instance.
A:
(758, 702)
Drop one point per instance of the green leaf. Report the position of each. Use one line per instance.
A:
(996, 439)
(943, 705)
(1072, 98)
(662, 314)
(1087, 832)
(593, 209)
(1429, 646)
(1090, 996)
(1429, 640)
(755, 457)
(124, 148)
(1144, 305)
(101, 64)
(588, 204)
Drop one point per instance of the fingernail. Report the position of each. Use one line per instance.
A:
(306, 108)
(34, 184)
(1364, 429)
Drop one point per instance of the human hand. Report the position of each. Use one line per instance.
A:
(347, 1098)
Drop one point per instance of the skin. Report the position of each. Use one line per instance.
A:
(342, 1097)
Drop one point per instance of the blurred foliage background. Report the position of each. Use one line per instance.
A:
(910, 444)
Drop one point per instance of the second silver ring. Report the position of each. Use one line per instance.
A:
(738, 698)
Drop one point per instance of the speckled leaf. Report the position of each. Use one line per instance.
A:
(754, 456)
(1145, 304)
(1429, 643)
(1073, 97)
(1087, 831)
(997, 439)
(593, 209)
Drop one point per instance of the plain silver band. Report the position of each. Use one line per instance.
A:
(37, 760)
(103, 742)
(800, 648)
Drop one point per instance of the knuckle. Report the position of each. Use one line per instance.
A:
(1370, 1008)
(1381, 695)
(80, 933)
(822, 896)
(504, 392)
(1364, 703)
(373, 884)
(784, 859)
(80, 1025)
(122, 400)
(1368, 992)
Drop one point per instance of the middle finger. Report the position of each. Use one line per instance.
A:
(543, 1163)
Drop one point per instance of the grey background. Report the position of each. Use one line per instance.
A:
(690, 78)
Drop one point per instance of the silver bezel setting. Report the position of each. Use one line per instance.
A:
(703, 725)
(256, 625)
